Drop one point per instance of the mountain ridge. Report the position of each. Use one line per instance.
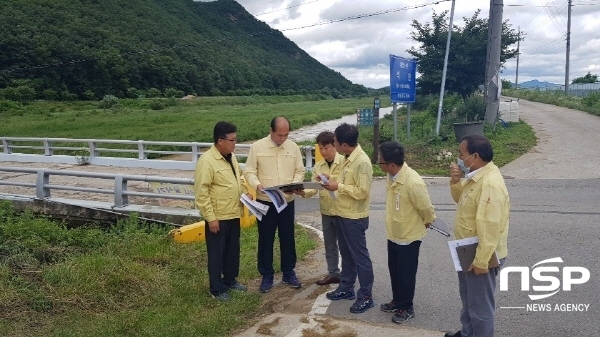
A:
(90, 48)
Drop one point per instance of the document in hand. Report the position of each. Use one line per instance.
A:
(440, 226)
(463, 253)
(254, 206)
(277, 197)
(325, 181)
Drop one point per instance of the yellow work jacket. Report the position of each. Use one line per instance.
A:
(325, 199)
(483, 211)
(354, 186)
(272, 165)
(408, 207)
(217, 189)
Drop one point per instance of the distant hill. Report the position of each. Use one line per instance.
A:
(65, 49)
(536, 84)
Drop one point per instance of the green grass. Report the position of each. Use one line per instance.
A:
(590, 103)
(183, 120)
(423, 148)
(130, 280)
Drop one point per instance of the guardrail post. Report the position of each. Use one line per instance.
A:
(93, 151)
(47, 147)
(195, 152)
(142, 150)
(308, 155)
(6, 146)
(120, 187)
(43, 179)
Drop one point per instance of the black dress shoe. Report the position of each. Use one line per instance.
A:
(328, 280)
(455, 334)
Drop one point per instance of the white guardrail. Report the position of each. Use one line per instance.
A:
(96, 152)
(120, 192)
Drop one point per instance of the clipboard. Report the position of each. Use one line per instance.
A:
(296, 186)
(463, 253)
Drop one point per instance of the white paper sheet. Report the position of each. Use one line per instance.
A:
(457, 243)
(278, 199)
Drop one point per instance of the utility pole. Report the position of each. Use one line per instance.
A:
(518, 53)
(439, 114)
(570, 5)
(492, 81)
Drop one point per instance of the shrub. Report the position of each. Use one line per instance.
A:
(153, 92)
(21, 93)
(89, 95)
(157, 105)
(108, 101)
(591, 99)
(172, 92)
(51, 95)
(473, 109)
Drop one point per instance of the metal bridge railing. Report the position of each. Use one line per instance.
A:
(99, 152)
(120, 192)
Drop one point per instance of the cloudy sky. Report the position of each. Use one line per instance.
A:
(359, 48)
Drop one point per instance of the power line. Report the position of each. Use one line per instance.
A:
(544, 22)
(361, 16)
(551, 45)
(553, 16)
(533, 17)
(282, 9)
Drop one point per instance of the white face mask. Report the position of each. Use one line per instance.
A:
(461, 164)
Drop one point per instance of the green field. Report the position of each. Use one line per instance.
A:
(193, 120)
(178, 120)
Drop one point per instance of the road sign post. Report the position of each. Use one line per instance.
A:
(376, 104)
(403, 88)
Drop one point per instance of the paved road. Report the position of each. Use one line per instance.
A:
(550, 217)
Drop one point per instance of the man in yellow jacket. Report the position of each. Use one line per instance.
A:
(330, 165)
(353, 191)
(482, 212)
(218, 186)
(409, 213)
(275, 160)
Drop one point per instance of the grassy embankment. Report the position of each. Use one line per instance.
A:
(589, 103)
(131, 280)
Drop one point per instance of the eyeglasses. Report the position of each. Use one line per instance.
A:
(231, 140)
(382, 163)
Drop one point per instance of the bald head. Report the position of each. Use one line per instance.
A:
(280, 129)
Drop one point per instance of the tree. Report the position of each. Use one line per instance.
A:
(506, 84)
(467, 57)
(588, 78)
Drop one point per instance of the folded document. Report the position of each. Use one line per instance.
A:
(254, 206)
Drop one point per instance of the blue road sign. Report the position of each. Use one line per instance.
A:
(403, 73)
(364, 117)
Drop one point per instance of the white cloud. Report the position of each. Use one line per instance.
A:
(359, 48)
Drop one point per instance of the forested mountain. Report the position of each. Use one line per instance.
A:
(66, 49)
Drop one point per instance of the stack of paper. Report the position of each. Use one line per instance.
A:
(255, 207)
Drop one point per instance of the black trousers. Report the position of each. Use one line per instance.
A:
(283, 224)
(223, 250)
(403, 261)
